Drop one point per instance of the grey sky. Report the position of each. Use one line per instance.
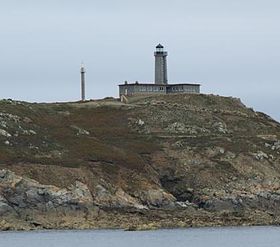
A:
(231, 46)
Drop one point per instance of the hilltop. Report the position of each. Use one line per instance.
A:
(158, 161)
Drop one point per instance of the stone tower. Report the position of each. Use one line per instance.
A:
(83, 82)
(160, 65)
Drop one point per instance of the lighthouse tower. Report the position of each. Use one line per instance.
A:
(160, 65)
(83, 82)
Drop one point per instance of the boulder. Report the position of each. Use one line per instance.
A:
(27, 193)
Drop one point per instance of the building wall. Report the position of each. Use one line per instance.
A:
(130, 90)
(191, 88)
(183, 89)
(136, 89)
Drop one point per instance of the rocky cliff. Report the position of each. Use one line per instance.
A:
(161, 161)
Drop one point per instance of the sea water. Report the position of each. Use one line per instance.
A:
(196, 237)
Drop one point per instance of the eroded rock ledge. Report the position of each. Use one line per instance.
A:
(26, 204)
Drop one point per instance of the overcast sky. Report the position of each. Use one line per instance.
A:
(232, 47)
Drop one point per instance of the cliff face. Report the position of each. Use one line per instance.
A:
(175, 160)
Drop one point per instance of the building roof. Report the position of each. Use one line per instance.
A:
(159, 46)
(161, 85)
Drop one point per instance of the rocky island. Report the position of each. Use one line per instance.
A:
(159, 161)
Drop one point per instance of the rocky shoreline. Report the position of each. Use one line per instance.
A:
(28, 205)
(134, 222)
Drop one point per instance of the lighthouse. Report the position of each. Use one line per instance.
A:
(160, 65)
(160, 85)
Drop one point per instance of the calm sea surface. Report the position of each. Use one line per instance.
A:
(210, 237)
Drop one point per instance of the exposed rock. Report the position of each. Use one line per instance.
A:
(268, 137)
(64, 113)
(186, 204)
(4, 133)
(176, 128)
(27, 120)
(115, 199)
(157, 198)
(140, 122)
(260, 155)
(276, 146)
(32, 132)
(23, 193)
(9, 117)
(267, 145)
(80, 131)
(180, 128)
(4, 206)
(220, 127)
(157, 102)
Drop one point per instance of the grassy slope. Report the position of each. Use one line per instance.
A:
(125, 154)
(59, 155)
